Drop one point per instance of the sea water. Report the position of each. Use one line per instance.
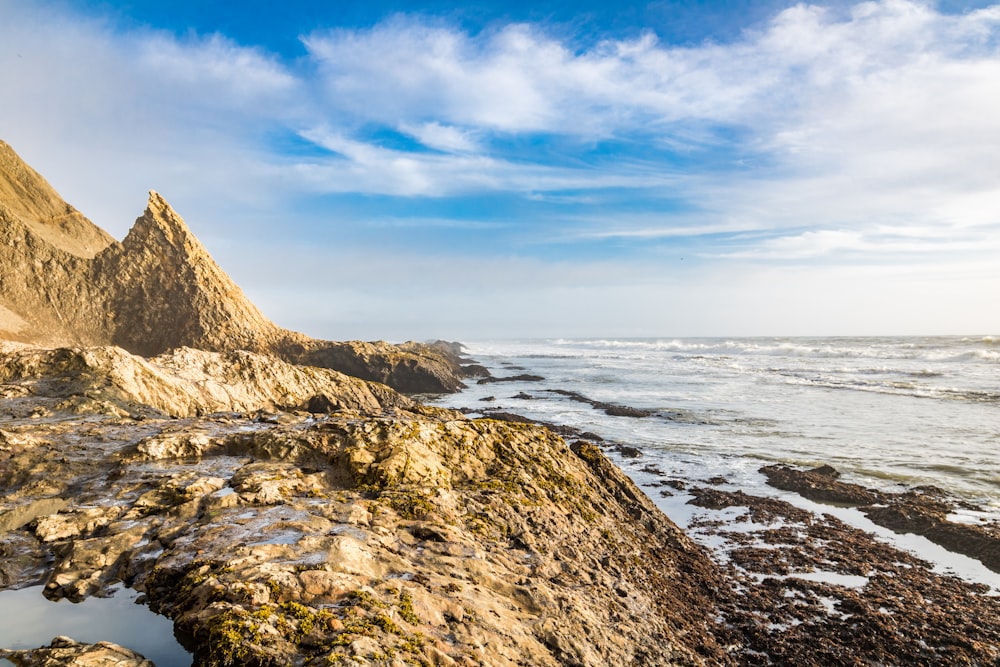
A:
(887, 412)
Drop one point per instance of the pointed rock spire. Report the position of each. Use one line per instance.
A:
(161, 227)
(175, 294)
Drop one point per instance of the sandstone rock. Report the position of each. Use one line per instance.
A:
(417, 536)
(187, 382)
(66, 282)
(20, 516)
(27, 197)
(74, 524)
(387, 528)
(410, 368)
(445, 497)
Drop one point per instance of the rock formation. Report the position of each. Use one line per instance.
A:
(165, 291)
(64, 281)
(371, 530)
(186, 383)
(368, 529)
(27, 199)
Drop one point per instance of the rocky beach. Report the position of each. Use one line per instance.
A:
(289, 501)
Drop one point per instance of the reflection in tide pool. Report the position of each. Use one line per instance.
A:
(29, 620)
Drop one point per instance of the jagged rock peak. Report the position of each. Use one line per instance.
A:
(64, 281)
(171, 293)
(160, 225)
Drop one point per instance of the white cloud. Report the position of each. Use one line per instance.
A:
(107, 115)
(442, 137)
(215, 72)
(877, 247)
(408, 70)
(864, 135)
(889, 111)
(370, 168)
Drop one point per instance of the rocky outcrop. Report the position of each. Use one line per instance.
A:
(412, 367)
(371, 530)
(65, 282)
(26, 198)
(164, 291)
(821, 484)
(186, 383)
(923, 511)
(383, 533)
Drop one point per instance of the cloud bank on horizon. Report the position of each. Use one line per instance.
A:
(826, 168)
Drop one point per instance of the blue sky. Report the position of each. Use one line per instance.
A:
(411, 170)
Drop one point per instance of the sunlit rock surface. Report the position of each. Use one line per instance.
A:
(377, 530)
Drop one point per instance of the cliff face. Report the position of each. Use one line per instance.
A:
(64, 281)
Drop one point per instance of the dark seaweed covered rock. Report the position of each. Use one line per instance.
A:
(923, 511)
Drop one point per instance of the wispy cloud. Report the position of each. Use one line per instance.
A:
(888, 109)
(368, 167)
(239, 78)
(443, 137)
(107, 114)
(826, 138)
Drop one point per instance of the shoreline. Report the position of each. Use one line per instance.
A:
(824, 557)
(947, 520)
(385, 527)
(926, 510)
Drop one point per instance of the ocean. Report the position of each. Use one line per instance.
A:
(887, 412)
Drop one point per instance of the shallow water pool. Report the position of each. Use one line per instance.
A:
(29, 620)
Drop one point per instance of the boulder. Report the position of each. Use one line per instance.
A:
(67, 652)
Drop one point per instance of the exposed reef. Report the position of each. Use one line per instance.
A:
(923, 511)
(812, 590)
(609, 408)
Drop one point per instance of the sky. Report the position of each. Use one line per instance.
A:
(416, 170)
